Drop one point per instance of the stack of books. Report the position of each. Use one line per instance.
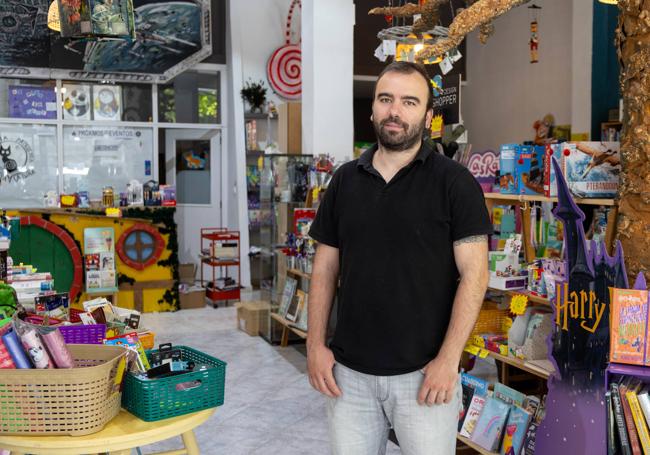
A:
(30, 284)
(628, 411)
(503, 420)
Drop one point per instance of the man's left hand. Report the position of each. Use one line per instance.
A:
(440, 381)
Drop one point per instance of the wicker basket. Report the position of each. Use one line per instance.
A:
(490, 320)
(74, 401)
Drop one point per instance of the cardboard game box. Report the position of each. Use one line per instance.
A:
(592, 169)
(529, 170)
(507, 171)
(553, 151)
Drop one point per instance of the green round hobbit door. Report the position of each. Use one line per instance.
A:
(39, 247)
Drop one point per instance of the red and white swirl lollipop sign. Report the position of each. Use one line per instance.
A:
(284, 69)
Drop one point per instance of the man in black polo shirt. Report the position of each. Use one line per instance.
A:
(405, 229)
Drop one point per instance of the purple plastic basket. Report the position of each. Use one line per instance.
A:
(83, 334)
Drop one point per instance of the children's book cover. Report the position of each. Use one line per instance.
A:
(472, 415)
(130, 341)
(491, 423)
(629, 310)
(515, 432)
(471, 385)
(479, 385)
(468, 393)
(507, 161)
(593, 169)
(508, 394)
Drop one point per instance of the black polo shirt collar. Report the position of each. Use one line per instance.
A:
(365, 160)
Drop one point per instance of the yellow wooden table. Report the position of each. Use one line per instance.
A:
(118, 437)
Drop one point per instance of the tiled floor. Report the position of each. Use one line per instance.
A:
(270, 408)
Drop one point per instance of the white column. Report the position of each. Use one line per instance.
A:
(236, 216)
(581, 56)
(327, 72)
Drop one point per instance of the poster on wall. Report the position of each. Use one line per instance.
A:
(99, 259)
(192, 155)
(76, 102)
(32, 102)
(446, 98)
(107, 102)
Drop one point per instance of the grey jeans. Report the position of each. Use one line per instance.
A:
(360, 419)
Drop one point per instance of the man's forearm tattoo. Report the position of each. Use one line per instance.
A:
(472, 239)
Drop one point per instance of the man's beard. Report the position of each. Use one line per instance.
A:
(395, 141)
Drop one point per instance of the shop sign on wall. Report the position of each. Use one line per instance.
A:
(17, 158)
(446, 97)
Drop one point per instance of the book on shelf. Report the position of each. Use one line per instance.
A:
(491, 423)
(611, 424)
(629, 309)
(471, 386)
(621, 427)
(635, 443)
(537, 410)
(472, 415)
(515, 431)
(644, 402)
(509, 395)
(639, 421)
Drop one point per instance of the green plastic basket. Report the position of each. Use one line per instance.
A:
(157, 399)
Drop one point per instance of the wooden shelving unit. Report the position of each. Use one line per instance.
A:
(286, 327)
(531, 297)
(518, 363)
(530, 198)
(475, 446)
(298, 273)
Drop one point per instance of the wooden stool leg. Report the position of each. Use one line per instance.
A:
(284, 342)
(189, 440)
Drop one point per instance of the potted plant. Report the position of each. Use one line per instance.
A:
(254, 93)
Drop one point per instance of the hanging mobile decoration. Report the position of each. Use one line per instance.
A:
(284, 68)
(534, 36)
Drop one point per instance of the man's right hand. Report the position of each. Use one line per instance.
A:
(320, 363)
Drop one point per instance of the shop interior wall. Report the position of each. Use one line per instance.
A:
(505, 93)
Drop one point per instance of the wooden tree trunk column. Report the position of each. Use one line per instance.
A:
(633, 46)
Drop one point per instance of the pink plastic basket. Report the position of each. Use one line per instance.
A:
(83, 334)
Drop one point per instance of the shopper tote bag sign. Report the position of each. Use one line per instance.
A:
(284, 68)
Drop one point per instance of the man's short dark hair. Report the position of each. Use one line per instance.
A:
(408, 68)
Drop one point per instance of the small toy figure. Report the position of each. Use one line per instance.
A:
(544, 130)
(534, 42)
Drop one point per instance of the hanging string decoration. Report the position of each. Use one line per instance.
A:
(284, 68)
(534, 37)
